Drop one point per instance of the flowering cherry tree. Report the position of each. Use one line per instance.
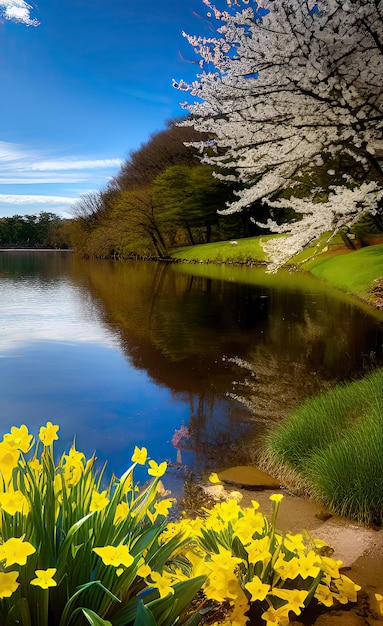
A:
(292, 92)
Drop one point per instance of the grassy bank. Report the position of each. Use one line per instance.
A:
(354, 272)
(351, 271)
(331, 447)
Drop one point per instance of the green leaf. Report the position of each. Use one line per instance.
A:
(94, 619)
(19, 614)
(167, 610)
(144, 616)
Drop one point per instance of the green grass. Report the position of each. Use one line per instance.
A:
(351, 271)
(247, 250)
(333, 446)
(354, 272)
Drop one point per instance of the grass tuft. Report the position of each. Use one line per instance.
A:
(331, 446)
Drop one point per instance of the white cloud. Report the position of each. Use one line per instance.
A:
(17, 11)
(58, 181)
(76, 164)
(34, 199)
(18, 163)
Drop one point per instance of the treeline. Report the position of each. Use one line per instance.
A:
(161, 198)
(45, 230)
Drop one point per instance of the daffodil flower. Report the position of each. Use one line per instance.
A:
(257, 589)
(15, 550)
(19, 438)
(122, 512)
(162, 507)
(139, 455)
(379, 599)
(214, 478)
(8, 583)
(9, 458)
(14, 502)
(44, 578)
(157, 470)
(295, 598)
(162, 583)
(115, 555)
(48, 434)
(99, 501)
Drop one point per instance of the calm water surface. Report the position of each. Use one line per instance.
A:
(123, 353)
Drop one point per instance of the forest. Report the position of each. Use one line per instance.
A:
(45, 230)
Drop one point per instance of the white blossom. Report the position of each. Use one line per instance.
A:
(292, 90)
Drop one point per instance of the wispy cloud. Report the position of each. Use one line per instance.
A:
(76, 164)
(18, 165)
(35, 199)
(17, 11)
(48, 180)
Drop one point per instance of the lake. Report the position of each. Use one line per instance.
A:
(123, 353)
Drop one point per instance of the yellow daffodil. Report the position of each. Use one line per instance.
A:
(324, 595)
(279, 617)
(379, 599)
(294, 543)
(99, 501)
(48, 434)
(222, 585)
(122, 512)
(44, 578)
(163, 506)
(224, 559)
(157, 470)
(229, 511)
(16, 550)
(295, 598)
(257, 589)
(19, 438)
(276, 497)
(144, 570)
(8, 583)
(259, 550)
(139, 455)
(347, 590)
(162, 583)
(287, 569)
(309, 565)
(214, 478)
(115, 555)
(14, 502)
(9, 458)
(35, 465)
(330, 566)
(246, 526)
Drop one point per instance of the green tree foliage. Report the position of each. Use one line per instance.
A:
(162, 197)
(45, 230)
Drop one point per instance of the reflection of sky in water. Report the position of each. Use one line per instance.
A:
(56, 311)
(60, 362)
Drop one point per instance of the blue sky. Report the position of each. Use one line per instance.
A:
(84, 82)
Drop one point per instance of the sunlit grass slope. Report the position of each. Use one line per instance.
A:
(351, 271)
(332, 447)
(248, 250)
(354, 272)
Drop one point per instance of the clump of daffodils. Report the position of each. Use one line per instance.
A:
(254, 571)
(76, 551)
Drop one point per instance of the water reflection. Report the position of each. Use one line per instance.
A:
(124, 353)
